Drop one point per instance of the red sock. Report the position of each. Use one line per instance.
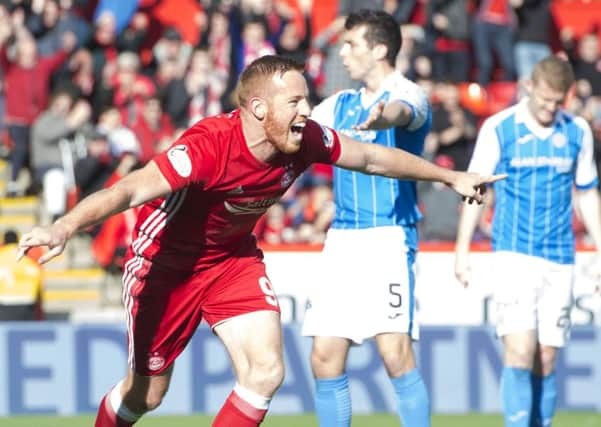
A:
(106, 417)
(237, 412)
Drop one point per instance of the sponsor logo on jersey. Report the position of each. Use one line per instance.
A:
(561, 163)
(155, 363)
(178, 156)
(328, 136)
(249, 208)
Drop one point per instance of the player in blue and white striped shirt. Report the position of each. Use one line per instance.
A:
(546, 153)
(366, 285)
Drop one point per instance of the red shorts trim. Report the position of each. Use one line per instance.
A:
(164, 307)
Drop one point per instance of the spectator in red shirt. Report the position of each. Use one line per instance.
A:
(153, 129)
(26, 77)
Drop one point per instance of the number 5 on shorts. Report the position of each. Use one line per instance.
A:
(396, 299)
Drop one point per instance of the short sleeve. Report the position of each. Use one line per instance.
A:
(487, 152)
(190, 160)
(324, 111)
(321, 144)
(586, 171)
(403, 90)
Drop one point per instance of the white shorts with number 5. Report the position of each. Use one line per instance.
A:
(365, 286)
(532, 293)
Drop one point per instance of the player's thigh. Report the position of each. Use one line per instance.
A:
(554, 304)
(516, 279)
(163, 310)
(241, 287)
(254, 343)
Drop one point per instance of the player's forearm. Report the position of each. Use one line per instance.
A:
(468, 220)
(589, 204)
(396, 163)
(394, 114)
(132, 190)
(94, 209)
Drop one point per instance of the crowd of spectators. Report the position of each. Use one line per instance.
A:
(93, 89)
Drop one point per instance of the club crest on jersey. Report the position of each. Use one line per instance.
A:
(559, 140)
(178, 156)
(288, 176)
(328, 136)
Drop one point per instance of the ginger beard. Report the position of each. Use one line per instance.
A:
(281, 134)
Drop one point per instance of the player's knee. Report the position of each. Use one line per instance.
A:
(545, 364)
(398, 363)
(326, 365)
(143, 401)
(266, 376)
(519, 357)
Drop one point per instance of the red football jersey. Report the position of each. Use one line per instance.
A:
(220, 190)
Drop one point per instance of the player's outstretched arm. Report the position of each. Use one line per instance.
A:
(132, 190)
(374, 159)
(386, 115)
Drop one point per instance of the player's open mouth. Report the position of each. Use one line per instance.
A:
(298, 127)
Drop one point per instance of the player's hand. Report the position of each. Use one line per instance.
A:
(473, 186)
(54, 237)
(374, 115)
(462, 269)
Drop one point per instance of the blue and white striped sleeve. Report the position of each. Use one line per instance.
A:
(414, 96)
(487, 151)
(586, 170)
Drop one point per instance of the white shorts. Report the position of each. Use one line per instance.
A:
(532, 293)
(365, 286)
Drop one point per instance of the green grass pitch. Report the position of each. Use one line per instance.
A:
(564, 419)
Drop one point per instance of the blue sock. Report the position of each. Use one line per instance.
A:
(544, 397)
(516, 394)
(413, 404)
(333, 402)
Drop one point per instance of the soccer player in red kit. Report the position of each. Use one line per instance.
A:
(193, 254)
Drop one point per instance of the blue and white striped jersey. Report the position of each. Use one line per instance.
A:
(362, 200)
(533, 206)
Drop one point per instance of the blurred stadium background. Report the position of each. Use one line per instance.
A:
(135, 73)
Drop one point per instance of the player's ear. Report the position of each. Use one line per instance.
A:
(380, 51)
(259, 108)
